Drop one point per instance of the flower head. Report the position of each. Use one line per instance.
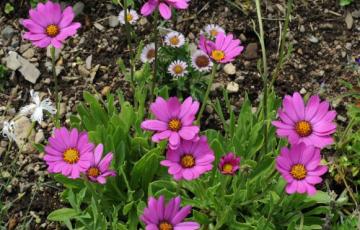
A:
(69, 152)
(357, 60)
(201, 61)
(8, 130)
(164, 7)
(148, 53)
(174, 121)
(175, 39)
(212, 30)
(49, 25)
(178, 68)
(300, 167)
(223, 50)
(159, 215)
(311, 124)
(99, 168)
(229, 164)
(37, 108)
(132, 17)
(190, 160)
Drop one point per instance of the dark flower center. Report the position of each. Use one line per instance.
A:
(298, 171)
(303, 128)
(187, 161)
(52, 30)
(175, 124)
(93, 172)
(71, 156)
(202, 61)
(150, 54)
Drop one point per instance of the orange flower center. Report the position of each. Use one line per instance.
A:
(298, 171)
(129, 17)
(178, 69)
(93, 172)
(202, 61)
(303, 128)
(187, 161)
(213, 32)
(174, 125)
(174, 41)
(165, 226)
(218, 55)
(150, 54)
(52, 30)
(228, 168)
(71, 156)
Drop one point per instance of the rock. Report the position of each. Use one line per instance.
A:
(216, 86)
(303, 91)
(83, 71)
(356, 14)
(12, 61)
(99, 26)
(57, 53)
(29, 71)
(113, 21)
(24, 134)
(39, 137)
(7, 32)
(313, 39)
(88, 62)
(106, 90)
(349, 21)
(143, 21)
(24, 47)
(230, 69)
(78, 8)
(251, 51)
(302, 28)
(28, 54)
(232, 87)
(348, 46)
(341, 118)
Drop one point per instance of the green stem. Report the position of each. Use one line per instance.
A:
(57, 102)
(156, 41)
(213, 73)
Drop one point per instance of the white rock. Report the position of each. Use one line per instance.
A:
(303, 91)
(349, 21)
(12, 61)
(113, 21)
(232, 87)
(28, 54)
(88, 62)
(24, 134)
(313, 39)
(39, 137)
(29, 71)
(99, 26)
(230, 69)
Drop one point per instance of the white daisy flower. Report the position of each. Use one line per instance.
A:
(8, 130)
(175, 39)
(212, 30)
(37, 107)
(132, 17)
(148, 53)
(178, 68)
(201, 61)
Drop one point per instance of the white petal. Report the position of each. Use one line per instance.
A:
(28, 109)
(47, 105)
(37, 115)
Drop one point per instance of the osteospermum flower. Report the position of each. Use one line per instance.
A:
(190, 160)
(175, 39)
(300, 167)
(178, 68)
(159, 215)
(132, 17)
(164, 7)
(201, 61)
(311, 124)
(37, 108)
(223, 50)
(212, 30)
(174, 121)
(148, 53)
(69, 152)
(229, 164)
(99, 168)
(8, 130)
(49, 25)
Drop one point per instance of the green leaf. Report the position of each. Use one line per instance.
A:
(62, 214)
(8, 8)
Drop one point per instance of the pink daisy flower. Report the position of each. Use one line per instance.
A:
(49, 25)
(68, 152)
(99, 168)
(300, 167)
(190, 160)
(164, 7)
(159, 215)
(225, 49)
(311, 124)
(229, 164)
(174, 121)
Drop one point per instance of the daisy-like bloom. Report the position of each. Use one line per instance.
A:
(178, 68)
(132, 17)
(212, 30)
(311, 124)
(190, 160)
(175, 39)
(174, 121)
(37, 108)
(8, 130)
(148, 53)
(201, 61)
(223, 50)
(164, 7)
(49, 25)
(357, 60)
(69, 152)
(300, 167)
(99, 168)
(229, 164)
(159, 215)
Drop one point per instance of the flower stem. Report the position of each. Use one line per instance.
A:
(213, 73)
(57, 102)
(156, 41)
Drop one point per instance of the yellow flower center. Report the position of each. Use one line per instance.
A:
(218, 55)
(174, 125)
(178, 69)
(227, 168)
(93, 172)
(202, 61)
(52, 30)
(150, 54)
(303, 128)
(174, 41)
(213, 32)
(165, 226)
(298, 171)
(71, 156)
(187, 161)
(129, 17)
